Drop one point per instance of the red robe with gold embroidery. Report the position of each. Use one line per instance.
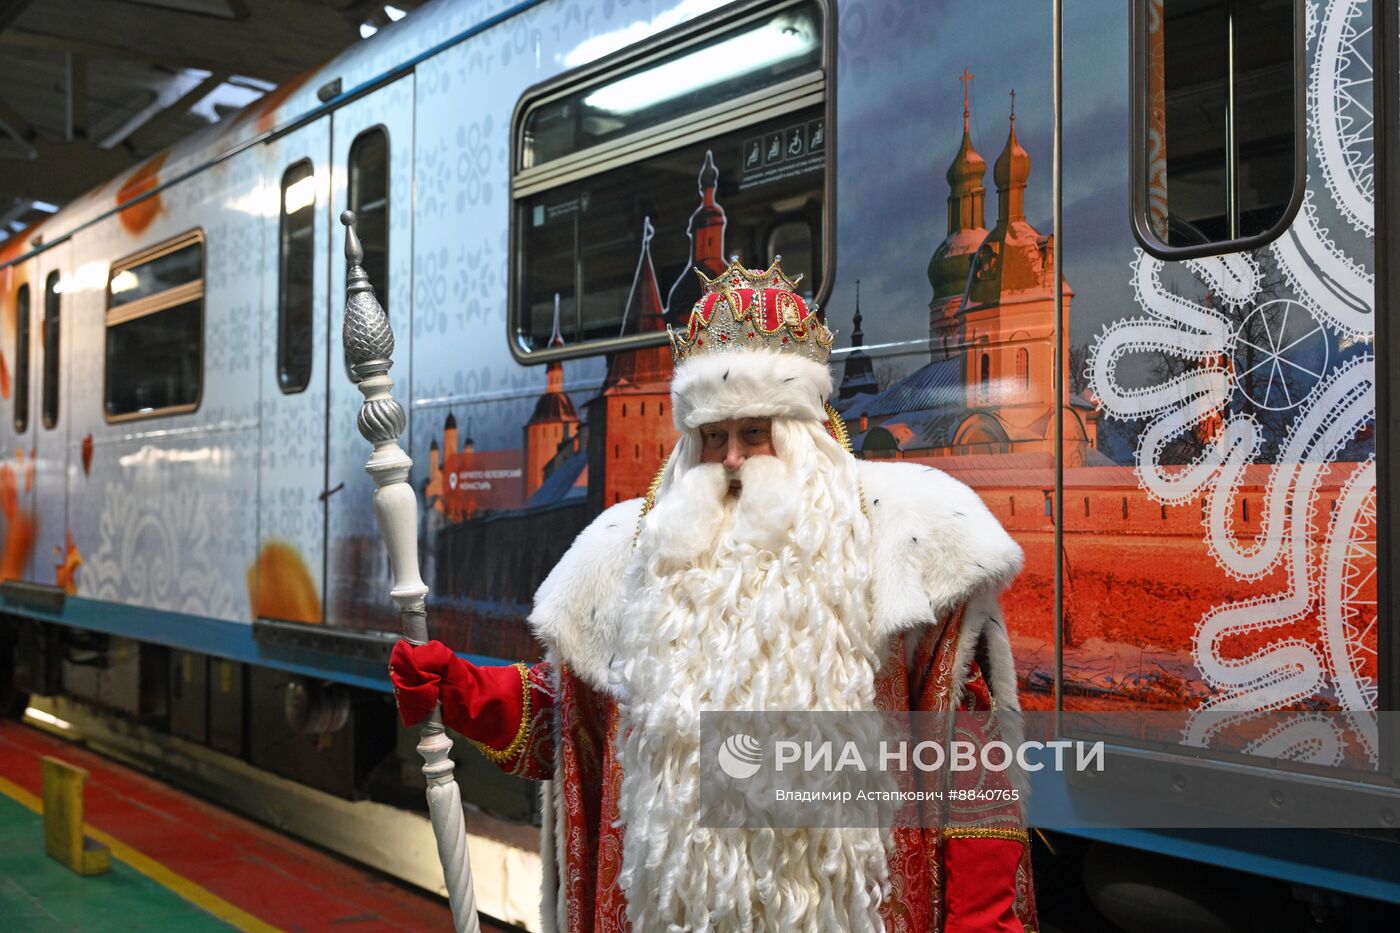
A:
(940, 559)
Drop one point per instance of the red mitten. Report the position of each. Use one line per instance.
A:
(416, 672)
(485, 704)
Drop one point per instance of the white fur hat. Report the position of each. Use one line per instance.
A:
(748, 384)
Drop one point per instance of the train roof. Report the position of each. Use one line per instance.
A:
(394, 50)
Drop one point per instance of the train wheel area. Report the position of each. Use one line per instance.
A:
(178, 863)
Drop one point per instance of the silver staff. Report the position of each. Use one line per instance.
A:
(369, 344)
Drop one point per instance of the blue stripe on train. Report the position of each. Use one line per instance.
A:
(216, 637)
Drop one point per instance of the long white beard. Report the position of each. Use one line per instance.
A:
(749, 604)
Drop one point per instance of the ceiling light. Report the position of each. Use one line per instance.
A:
(44, 206)
(257, 84)
(394, 13)
(367, 30)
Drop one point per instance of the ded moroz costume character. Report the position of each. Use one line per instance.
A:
(825, 583)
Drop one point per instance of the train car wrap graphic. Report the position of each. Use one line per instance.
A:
(1219, 496)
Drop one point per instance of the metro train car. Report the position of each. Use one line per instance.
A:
(1121, 268)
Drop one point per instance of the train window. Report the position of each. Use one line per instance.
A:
(155, 331)
(22, 359)
(369, 199)
(1218, 152)
(53, 307)
(296, 265)
(631, 173)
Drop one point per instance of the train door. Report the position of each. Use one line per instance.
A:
(52, 293)
(1220, 541)
(16, 491)
(291, 466)
(371, 174)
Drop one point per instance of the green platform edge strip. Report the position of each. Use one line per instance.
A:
(38, 895)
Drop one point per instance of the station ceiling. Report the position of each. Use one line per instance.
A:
(89, 88)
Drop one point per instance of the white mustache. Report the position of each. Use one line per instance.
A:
(768, 506)
(687, 520)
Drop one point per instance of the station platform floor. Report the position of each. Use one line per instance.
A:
(178, 863)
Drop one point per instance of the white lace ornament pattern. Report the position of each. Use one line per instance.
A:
(1328, 573)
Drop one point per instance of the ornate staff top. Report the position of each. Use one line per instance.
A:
(369, 345)
(369, 342)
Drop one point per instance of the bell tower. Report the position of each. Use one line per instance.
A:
(947, 270)
(1008, 325)
(858, 378)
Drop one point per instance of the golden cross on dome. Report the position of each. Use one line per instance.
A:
(1013, 105)
(966, 79)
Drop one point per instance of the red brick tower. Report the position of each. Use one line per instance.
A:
(554, 420)
(630, 431)
(706, 232)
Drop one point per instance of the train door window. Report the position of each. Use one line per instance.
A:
(1219, 163)
(53, 307)
(670, 156)
(369, 199)
(22, 359)
(295, 276)
(155, 331)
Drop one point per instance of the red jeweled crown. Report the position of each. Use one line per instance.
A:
(741, 309)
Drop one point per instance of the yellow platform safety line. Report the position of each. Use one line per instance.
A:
(63, 820)
(200, 896)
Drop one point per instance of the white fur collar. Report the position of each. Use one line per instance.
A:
(935, 545)
(574, 614)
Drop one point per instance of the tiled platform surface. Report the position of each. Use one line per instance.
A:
(178, 863)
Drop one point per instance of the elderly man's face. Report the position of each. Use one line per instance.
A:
(735, 440)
